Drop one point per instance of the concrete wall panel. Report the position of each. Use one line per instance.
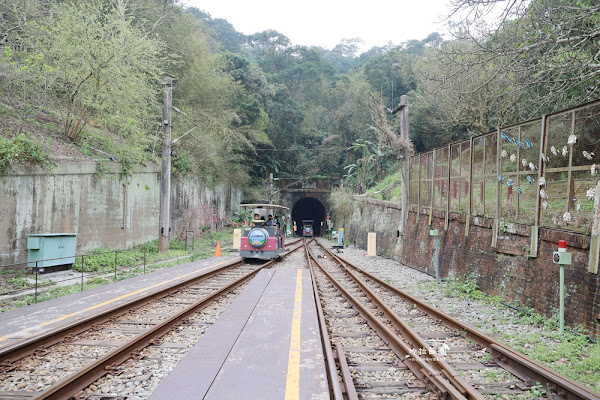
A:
(103, 209)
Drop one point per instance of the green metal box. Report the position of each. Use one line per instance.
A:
(51, 250)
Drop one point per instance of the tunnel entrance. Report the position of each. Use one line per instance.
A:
(309, 208)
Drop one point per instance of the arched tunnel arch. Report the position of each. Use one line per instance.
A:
(309, 208)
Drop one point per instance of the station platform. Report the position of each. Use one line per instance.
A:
(23, 323)
(266, 345)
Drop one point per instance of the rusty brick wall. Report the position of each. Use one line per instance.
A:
(506, 270)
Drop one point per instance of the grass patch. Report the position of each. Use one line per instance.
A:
(465, 288)
(130, 263)
(389, 189)
(571, 354)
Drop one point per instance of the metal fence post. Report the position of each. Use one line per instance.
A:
(116, 254)
(82, 264)
(36, 282)
(144, 260)
(437, 259)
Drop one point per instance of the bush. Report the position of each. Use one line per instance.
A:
(21, 150)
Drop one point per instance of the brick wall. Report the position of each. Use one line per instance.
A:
(505, 270)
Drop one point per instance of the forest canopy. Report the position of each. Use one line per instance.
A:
(250, 105)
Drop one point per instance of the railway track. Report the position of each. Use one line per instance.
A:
(424, 352)
(85, 359)
(379, 342)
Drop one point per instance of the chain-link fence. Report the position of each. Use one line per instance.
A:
(541, 172)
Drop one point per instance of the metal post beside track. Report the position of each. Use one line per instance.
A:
(436, 233)
(36, 282)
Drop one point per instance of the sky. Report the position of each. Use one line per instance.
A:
(325, 22)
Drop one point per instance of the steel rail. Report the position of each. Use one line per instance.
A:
(14, 352)
(513, 361)
(334, 383)
(71, 386)
(432, 378)
(29, 346)
(346, 374)
(416, 341)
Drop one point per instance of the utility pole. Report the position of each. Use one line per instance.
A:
(165, 175)
(271, 188)
(403, 110)
(406, 161)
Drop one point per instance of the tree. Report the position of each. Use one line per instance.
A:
(544, 51)
(103, 68)
(343, 55)
(222, 32)
(270, 49)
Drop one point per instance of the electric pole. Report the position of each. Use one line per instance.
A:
(406, 161)
(271, 188)
(403, 110)
(165, 176)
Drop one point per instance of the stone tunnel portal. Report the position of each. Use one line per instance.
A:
(309, 208)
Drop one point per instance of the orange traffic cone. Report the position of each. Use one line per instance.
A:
(218, 249)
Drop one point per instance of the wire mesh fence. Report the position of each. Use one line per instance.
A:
(32, 281)
(540, 172)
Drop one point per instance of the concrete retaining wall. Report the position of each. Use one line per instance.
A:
(103, 209)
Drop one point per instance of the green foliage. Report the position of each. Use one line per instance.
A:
(390, 188)
(241, 217)
(465, 288)
(103, 259)
(182, 164)
(103, 68)
(571, 354)
(341, 201)
(20, 283)
(22, 151)
(101, 65)
(101, 262)
(374, 163)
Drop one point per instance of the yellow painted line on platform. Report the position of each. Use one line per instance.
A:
(3, 338)
(292, 386)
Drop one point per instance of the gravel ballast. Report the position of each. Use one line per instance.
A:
(530, 334)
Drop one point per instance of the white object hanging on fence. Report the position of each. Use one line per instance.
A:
(587, 155)
(572, 139)
(591, 192)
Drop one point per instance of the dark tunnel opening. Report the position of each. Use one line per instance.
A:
(309, 208)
